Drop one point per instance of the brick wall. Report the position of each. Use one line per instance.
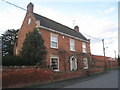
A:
(14, 78)
(109, 64)
(99, 61)
(63, 44)
(97, 70)
(25, 28)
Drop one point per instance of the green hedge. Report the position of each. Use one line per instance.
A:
(14, 61)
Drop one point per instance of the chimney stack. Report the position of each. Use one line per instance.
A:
(76, 28)
(30, 7)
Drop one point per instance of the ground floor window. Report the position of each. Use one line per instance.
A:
(55, 63)
(85, 62)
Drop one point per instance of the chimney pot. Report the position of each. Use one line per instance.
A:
(76, 28)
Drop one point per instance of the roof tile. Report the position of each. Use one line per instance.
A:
(58, 27)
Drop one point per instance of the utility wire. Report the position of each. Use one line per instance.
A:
(17, 7)
(14, 5)
(26, 10)
(92, 37)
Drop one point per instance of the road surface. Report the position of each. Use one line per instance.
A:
(107, 80)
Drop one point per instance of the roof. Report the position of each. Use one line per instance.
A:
(46, 22)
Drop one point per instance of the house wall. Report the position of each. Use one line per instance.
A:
(63, 44)
(25, 28)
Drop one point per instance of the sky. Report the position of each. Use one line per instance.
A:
(96, 20)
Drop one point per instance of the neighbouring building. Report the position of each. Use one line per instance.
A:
(108, 62)
(67, 48)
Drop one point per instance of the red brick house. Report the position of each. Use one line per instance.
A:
(67, 48)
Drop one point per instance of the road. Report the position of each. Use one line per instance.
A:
(108, 80)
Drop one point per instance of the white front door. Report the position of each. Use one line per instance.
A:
(73, 63)
(85, 62)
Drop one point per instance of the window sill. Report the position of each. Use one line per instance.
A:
(56, 70)
(54, 47)
(72, 50)
(84, 52)
(85, 67)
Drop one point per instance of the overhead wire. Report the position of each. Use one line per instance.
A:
(26, 10)
(14, 5)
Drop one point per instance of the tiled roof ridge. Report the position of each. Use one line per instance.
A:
(57, 22)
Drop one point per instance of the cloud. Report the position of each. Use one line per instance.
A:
(102, 27)
(10, 17)
(110, 10)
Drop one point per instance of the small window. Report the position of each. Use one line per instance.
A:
(84, 47)
(85, 62)
(54, 41)
(55, 63)
(29, 20)
(72, 45)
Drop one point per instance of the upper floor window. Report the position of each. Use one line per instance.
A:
(54, 41)
(72, 45)
(84, 47)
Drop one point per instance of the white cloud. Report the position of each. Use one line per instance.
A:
(11, 19)
(88, 24)
(110, 10)
(95, 27)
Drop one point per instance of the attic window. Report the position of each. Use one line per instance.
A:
(29, 21)
(84, 47)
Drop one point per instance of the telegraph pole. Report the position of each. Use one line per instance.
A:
(104, 54)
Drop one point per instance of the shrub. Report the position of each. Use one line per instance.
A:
(13, 61)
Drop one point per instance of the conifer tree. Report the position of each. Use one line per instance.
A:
(33, 50)
(8, 40)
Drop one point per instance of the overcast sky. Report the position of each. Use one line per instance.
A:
(96, 20)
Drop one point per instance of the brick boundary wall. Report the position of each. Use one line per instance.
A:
(97, 70)
(26, 76)
(15, 78)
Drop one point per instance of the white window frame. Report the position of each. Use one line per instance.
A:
(51, 62)
(85, 63)
(84, 47)
(72, 45)
(51, 40)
